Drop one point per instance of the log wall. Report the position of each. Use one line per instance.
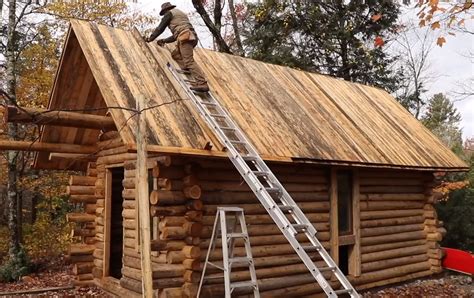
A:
(396, 210)
(82, 195)
(398, 226)
(276, 264)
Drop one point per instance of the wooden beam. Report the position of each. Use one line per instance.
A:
(107, 221)
(46, 147)
(71, 157)
(354, 255)
(198, 152)
(58, 118)
(333, 216)
(222, 154)
(143, 205)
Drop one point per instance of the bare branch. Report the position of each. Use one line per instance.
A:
(221, 44)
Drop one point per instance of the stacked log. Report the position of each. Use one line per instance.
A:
(168, 231)
(392, 220)
(131, 263)
(81, 192)
(277, 265)
(398, 226)
(193, 227)
(171, 199)
(433, 227)
(109, 144)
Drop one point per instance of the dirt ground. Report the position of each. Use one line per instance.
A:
(59, 274)
(447, 284)
(49, 275)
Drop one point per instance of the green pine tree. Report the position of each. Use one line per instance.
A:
(332, 37)
(443, 119)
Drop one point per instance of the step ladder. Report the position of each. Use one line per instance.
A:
(272, 195)
(229, 232)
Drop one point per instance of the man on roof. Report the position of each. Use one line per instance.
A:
(186, 37)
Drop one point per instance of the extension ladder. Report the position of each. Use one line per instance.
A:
(228, 237)
(272, 195)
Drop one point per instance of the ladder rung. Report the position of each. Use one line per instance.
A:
(214, 265)
(249, 158)
(242, 284)
(218, 116)
(272, 189)
(260, 173)
(237, 235)
(285, 208)
(326, 269)
(199, 92)
(228, 128)
(345, 291)
(238, 142)
(311, 248)
(240, 260)
(230, 209)
(300, 227)
(208, 103)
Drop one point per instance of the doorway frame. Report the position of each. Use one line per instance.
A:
(108, 179)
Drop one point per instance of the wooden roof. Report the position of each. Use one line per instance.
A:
(286, 113)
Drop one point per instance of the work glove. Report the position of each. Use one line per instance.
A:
(161, 42)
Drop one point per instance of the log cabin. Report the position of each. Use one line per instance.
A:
(356, 162)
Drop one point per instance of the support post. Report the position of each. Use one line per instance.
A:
(143, 206)
(334, 221)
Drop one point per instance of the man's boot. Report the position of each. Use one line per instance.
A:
(200, 87)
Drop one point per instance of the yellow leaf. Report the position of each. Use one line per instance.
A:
(422, 23)
(435, 25)
(441, 40)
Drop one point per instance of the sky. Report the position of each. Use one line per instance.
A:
(448, 64)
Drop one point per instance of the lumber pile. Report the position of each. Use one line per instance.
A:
(81, 190)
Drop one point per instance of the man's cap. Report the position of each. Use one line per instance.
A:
(165, 7)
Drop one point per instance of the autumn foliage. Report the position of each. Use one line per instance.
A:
(41, 35)
(447, 18)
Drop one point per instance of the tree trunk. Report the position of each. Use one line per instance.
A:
(235, 26)
(12, 156)
(221, 44)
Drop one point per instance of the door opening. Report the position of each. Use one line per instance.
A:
(344, 259)
(116, 221)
